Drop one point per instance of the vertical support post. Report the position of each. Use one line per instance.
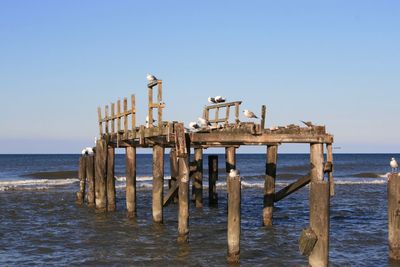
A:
(263, 115)
(159, 100)
(101, 176)
(100, 119)
(131, 181)
(230, 158)
(198, 177)
(183, 193)
(319, 207)
(125, 117)
(80, 195)
(212, 180)
(329, 158)
(111, 206)
(119, 116)
(150, 110)
(112, 118)
(394, 216)
(158, 183)
(174, 169)
(90, 180)
(237, 113)
(216, 116)
(269, 184)
(233, 234)
(133, 112)
(228, 109)
(106, 118)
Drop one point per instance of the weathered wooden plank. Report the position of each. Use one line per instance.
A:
(212, 179)
(150, 108)
(133, 112)
(230, 158)
(90, 174)
(269, 184)
(183, 215)
(307, 241)
(100, 121)
(263, 116)
(159, 100)
(101, 176)
(180, 140)
(223, 105)
(329, 159)
(80, 195)
(172, 192)
(118, 115)
(198, 177)
(111, 195)
(125, 117)
(293, 187)
(112, 118)
(106, 118)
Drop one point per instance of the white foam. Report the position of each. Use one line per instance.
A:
(140, 178)
(39, 184)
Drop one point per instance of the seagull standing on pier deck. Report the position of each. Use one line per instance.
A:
(151, 77)
(220, 99)
(204, 122)
(194, 126)
(394, 165)
(249, 114)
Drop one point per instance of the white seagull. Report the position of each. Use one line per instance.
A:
(233, 173)
(249, 114)
(151, 77)
(204, 122)
(193, 125)
(212, 100)
(220, 99)
(88, 151)
(394, 165)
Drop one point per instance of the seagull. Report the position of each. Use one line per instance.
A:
(233, 173)
(212, 100)
(249, 114)
(84, 152)
(394, 165)
(89, 151)
(151, 77)
(220, 99)
(193, 125)
(204, 122)
(308, 123)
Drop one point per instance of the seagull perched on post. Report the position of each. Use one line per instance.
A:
(220, 99)
(204, 122)
(212, 100)
(151, 77)
(233, 173)
(394, 165)
(194, 126)
(88, 151)
(308, 123)
(147, 121)
(249, 114)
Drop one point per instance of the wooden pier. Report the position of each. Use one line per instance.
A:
(118, 129)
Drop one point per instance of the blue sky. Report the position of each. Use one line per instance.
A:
(335, 63)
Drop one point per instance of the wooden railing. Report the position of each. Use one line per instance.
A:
(217, 107)
(159, 105)
(118, 116)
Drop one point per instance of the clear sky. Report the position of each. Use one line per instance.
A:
(335, 63)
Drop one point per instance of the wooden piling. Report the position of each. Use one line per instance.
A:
(130, 161)
(80, 195)
(230, 158)
(329, 159)
(90, 180)
(183, 216)
(198, 177)
(173, 161)
(263, 116)
(111, 206)
(212, 180)
(158, 183)
(101, 176)
(233, 233)
(319, 207)
(394, 216)
(269, 184)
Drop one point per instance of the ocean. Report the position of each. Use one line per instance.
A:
(40, 224)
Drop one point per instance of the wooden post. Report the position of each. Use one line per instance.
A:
(230, 158)
(237, 113)
(173, 161)
(394, 216)
(198, 177)
(159, 100)
(150, 108)
(233, 234)
(112, 118)
(183, 216)
(131, 181)
(111, 206)
(125, 117)
(100, 119)
(158, 183)
(319, 207)
(133, 112)
(212, 180)
(106, 118)
(263, 115)
(80, 195)
(90, 180)
(183, 167)
(101, 176)
(329, 158)
(269, 184)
